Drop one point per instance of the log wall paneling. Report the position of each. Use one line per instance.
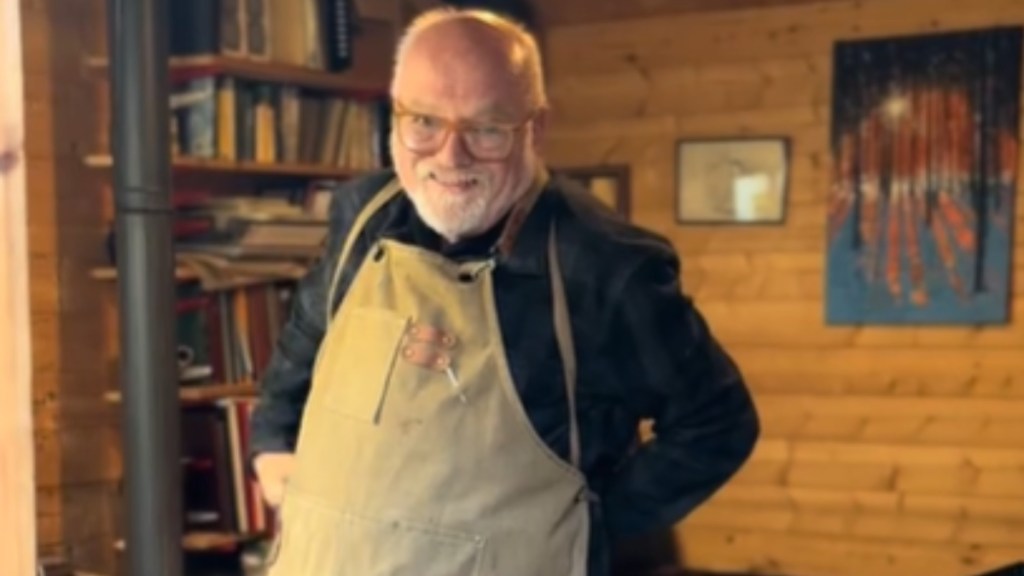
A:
(563, 12)
(76, 436)
(885, 451)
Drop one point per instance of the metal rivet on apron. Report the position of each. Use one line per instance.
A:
(442, 361)
(408, 352)
(465, 277)
(378, 254)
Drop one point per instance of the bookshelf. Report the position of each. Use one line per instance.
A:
(242, 152)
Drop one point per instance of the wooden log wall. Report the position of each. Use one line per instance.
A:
(886, 451)
(76, 437)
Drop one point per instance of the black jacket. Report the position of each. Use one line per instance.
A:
(643, 352)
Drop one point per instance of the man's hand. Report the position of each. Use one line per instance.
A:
(272, 471)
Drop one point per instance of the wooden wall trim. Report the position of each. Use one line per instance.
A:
(17, 482)
(570, 12)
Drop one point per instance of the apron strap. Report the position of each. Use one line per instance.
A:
(389, 191)
(520, 210)
(566, 347)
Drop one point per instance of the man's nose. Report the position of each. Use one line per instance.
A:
(454, 153)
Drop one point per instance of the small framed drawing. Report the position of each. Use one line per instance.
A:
(743, 180)
(609, 183)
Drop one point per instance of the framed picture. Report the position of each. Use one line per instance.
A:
(742, 180)
(921, 204)
(608, 183)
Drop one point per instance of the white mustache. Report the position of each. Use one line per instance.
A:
(451, 176)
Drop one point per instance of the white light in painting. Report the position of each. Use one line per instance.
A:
(750, 193)
(896, 106)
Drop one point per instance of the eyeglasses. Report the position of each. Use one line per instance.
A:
(426, 134)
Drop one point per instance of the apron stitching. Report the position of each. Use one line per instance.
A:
(387, 380)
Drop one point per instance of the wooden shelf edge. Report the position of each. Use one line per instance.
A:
(182, 68)
(202, 393)
(207, 541)
(186, 274)
(108, 273)
(241, 168)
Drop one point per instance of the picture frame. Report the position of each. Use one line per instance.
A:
(609, 183)
(742, 180)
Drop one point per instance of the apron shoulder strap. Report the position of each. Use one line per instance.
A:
(566, 346)
(379, 199)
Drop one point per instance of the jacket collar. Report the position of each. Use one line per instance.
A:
(521, 246)
(523, 242)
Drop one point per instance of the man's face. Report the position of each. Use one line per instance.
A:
(463, 138)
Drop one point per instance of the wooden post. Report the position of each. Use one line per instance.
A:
(17, 476)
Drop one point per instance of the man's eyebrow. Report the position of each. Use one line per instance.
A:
(494, 113)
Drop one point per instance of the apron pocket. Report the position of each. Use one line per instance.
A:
(321, 542)
(358, 364)
(402, 548)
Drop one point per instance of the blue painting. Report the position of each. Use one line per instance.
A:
(925, 152)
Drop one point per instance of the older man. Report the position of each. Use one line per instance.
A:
(471, 360)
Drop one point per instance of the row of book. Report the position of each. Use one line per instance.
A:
(227, 118)
(227, 337)
(220, 492)
(244, 253)
(289, 222)
(227, 241)
(309, 33)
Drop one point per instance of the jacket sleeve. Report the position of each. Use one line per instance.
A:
(285, 384)
(676, 373)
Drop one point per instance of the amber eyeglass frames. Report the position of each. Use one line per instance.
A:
(426, 134)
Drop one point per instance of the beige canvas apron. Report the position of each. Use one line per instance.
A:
(416, 457)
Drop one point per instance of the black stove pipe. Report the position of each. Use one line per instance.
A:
(145, 264)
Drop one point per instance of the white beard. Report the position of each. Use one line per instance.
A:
(454, 215)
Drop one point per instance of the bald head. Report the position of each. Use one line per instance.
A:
(469, 117)
(470, 47)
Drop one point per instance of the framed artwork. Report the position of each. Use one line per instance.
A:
(743, 180)
(925, 155)
(609, 183)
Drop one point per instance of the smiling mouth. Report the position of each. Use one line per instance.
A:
(458, 184)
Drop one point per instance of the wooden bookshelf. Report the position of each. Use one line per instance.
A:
(186, 164)
(367, 79)
(202, 394)
(185, 68)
